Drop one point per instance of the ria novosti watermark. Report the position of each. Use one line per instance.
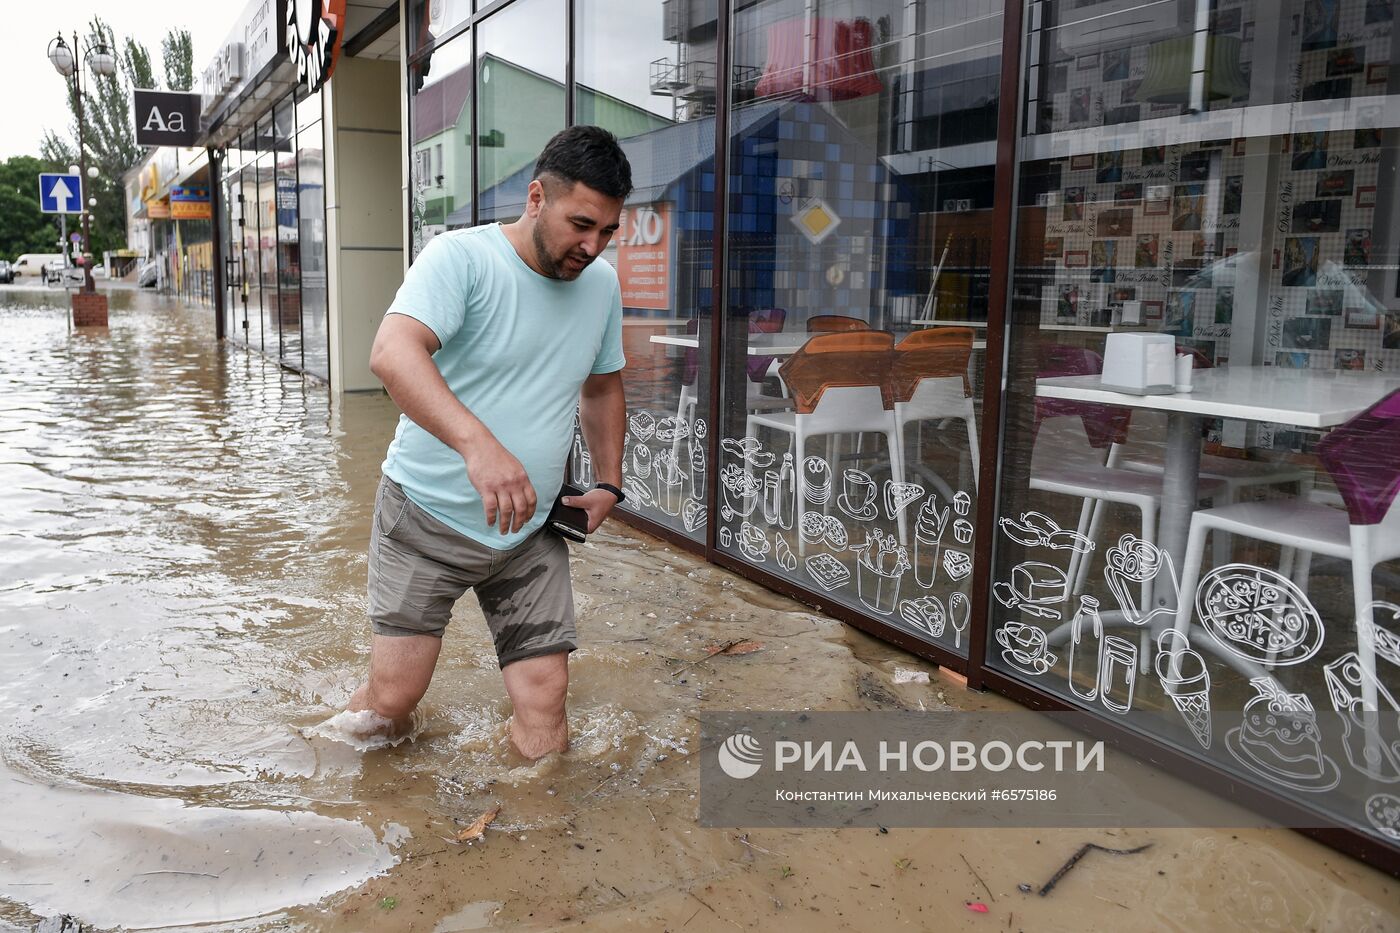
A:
(974, 769)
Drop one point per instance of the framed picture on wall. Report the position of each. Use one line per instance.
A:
(1300, 261)
(1361, 319)
(1307, 333)
(1239, 147)
(1234, 195)
(1317, 217)
(1335, 184)
(1349, 359)
(1145, 254)
(1379, 11)
(1390, 338)
(1054, 247)
(1152, 310)
(1081, 163)
(1076, 258)
(1128, 193)
(1348, 61)
(1087, 62)
(1115, 64)
(1357, 249)
(1156, 207)
(1079, 105)
(1117, 222)
(1324, 301)
(1378, 73)
(1366, 196)
(1188, 207)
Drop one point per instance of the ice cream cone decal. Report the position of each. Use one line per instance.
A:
(1187, 681)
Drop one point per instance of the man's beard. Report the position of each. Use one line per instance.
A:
(551, 267)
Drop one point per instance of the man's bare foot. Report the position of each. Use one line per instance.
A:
(536, 743)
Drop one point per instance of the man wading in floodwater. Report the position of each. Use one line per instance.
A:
(495, 336)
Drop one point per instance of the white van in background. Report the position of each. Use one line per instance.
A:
(33, 263)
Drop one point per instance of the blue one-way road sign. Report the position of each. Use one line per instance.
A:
(60, 194)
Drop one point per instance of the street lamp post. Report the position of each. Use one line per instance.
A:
(102, 63)
(89, 305)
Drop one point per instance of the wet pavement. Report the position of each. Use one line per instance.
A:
(182, 564)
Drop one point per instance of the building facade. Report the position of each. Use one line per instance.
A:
(1052, 340)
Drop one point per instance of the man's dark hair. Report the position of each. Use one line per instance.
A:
(589, 154)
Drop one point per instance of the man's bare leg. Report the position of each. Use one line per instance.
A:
(537, 688)
(400, 669)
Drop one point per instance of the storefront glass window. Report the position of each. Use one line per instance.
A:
(519, 59)
(440, 158)
(267, 238)
(429, 20)
(1199, 471)
(859, 231)
(627, 68)
(288, 233)
(311, 217)
(251, 258)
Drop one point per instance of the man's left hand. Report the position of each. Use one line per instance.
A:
(596, 502)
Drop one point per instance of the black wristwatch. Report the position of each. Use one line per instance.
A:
(621, 496)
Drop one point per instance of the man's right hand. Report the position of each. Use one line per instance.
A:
(505, 489)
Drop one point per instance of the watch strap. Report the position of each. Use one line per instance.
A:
(621, 496)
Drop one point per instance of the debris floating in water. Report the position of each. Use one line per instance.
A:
(363, 730)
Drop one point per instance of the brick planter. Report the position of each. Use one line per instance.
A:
(89, 309)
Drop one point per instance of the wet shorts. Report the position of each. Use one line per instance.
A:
(419, 567)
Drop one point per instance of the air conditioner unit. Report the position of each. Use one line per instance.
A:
(1109, 24)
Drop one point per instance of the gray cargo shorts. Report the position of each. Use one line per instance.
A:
(419, 567)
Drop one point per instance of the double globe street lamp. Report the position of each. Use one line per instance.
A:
(101, 63)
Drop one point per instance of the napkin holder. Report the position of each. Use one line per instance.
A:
(1140, 364)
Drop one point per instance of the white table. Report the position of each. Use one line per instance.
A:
(1308, 398)
(759, 344)
(762, 344)
(1304, 397)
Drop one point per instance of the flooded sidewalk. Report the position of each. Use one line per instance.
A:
(183, 528)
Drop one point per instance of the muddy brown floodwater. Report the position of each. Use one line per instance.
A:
(182, 572)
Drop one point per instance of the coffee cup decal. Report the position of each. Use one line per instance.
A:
(857, 495)
(753, 543)
(1025, 647)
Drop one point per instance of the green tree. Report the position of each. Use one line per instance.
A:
(177, 55)
(109, 138)
(23, 227)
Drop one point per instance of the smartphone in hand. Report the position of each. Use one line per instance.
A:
(570, 521)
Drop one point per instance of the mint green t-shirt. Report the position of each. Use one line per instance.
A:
(516, 348)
